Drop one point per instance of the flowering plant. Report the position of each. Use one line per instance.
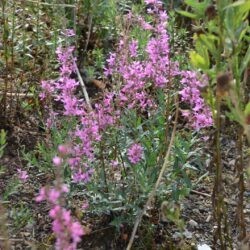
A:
(126, 128)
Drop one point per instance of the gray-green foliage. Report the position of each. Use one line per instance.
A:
(2, 142)
(21, 215)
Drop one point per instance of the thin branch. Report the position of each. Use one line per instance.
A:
(84, 90)
(200, 193)
(17, 94)
(209, 196)
(89, 32)
(153, 192)
(53, 4)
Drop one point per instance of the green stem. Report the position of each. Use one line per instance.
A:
(104, 176)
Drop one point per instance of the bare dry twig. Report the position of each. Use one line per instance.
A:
(84, 90)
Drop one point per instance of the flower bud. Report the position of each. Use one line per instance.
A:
(63, 149)
(57, 161)
(210, 12)
(223, 84)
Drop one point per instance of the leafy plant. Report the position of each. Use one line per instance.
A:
(11, 188)
(221, 51)
(2, 142)
(42, 156)
(21, 216)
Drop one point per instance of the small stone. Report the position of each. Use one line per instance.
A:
(177, 236)
(203, 247)
(196, 211)
(26, 234)
(188, 234)
(193, 223)
(208, 218)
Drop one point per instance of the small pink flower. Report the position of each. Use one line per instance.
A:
(85, 205)
(64, 188)
(42, 195)
(76, 231)
(22, 175)
(135, 153)
(69, 32)
(114, 163)
(57, 161)
(54, 211)
(53, 195)
(63, 149)
(66, 216)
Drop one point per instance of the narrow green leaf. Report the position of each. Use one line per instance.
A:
(245, 61)
(238, 3)
(187, 14)
(247, 109)
(198, 61)
(197, 6)
(208, 41)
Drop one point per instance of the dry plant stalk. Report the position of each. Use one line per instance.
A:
(84, 90)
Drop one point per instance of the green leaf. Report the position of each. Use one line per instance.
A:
(247, 109)
(191, 3)
(243, 7)
(198, 7)
(242, 30)
(208, 41)
(246, 4)
(229, 23)
(187, 14)
(198, 61)
(245, 61)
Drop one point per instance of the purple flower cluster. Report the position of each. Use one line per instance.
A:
(155, 68)
(92, 123)
(199, 115)
(66, 86)
(135, 153)
(22, 175)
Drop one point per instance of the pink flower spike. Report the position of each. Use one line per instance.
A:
(69, 32)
